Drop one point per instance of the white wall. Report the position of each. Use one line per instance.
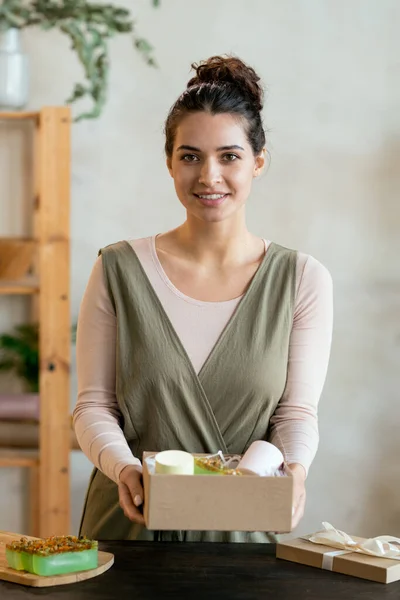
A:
(332, 73)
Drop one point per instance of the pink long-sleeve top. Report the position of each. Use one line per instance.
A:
(294, 424)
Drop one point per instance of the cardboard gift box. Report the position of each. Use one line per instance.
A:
(343, 556)
(216, 502)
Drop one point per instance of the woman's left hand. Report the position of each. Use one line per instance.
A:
(299, 492)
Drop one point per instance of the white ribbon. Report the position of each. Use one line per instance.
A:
(327, 558)
(384, 546)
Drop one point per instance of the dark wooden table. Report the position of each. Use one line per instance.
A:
(146, 570)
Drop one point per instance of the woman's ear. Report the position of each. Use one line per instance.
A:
(169, 166)
(259, 163)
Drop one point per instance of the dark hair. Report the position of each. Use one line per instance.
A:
(221, 85)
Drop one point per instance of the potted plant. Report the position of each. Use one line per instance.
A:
(89, 26)
(19, 354)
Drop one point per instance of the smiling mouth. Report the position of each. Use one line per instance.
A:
(211, 199)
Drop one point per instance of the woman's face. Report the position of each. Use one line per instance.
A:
(213, 165)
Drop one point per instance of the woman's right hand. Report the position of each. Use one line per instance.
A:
(130, 491)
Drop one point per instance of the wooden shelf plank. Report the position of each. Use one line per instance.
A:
(22, 115)
(14, 457)
(22, 287)
(23, 435)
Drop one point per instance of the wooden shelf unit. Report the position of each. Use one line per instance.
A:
(49, 465)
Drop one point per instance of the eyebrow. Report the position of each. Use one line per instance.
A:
(220, 149)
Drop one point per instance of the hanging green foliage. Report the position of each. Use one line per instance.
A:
(89, 26)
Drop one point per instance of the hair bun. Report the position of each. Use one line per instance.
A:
(229, 70)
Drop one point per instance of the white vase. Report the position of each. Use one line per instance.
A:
(14, 75)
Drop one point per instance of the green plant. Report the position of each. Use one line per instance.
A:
(89, 25)
(19, 353)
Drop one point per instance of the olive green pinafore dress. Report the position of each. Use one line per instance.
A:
(165, 404)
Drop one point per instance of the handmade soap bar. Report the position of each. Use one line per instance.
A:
(174, 462)
(213, 465)
(53, 556)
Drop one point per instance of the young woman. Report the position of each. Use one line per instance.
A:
(206, 337)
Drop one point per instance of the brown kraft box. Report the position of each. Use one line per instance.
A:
(217, 502)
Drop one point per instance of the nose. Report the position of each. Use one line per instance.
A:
(210, 173)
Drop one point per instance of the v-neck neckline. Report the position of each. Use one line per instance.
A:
(229, 324)
(194, 301)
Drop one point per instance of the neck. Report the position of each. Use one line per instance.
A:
(224, 243)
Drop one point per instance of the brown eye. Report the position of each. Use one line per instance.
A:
(230, 157)
(189, 158)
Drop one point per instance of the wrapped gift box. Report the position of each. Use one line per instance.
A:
(338, 556)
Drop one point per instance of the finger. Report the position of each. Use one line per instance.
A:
(135, 489)
(130, 511)
(298, 511)
(296, 518)
(136, 492)
(138, 501)
(127, 504)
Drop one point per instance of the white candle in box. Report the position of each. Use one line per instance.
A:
(174, 462)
